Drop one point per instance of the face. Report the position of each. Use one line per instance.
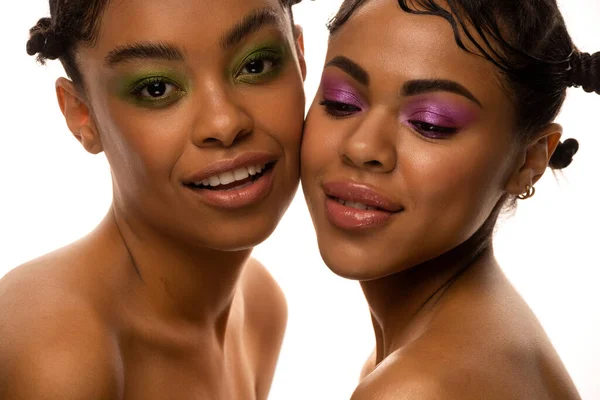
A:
(408, 145)
(199, 108)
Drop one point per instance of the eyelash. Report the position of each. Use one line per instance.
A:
(338, 109)
(144, 84)
(430, 131)
(272, 56)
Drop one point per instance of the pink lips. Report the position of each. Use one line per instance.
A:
(247, 194)
(351, 218)
(245, 160)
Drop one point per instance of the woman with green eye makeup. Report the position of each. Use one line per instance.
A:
(162, 299)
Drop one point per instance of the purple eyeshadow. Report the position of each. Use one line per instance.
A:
(436, 112)
(339, 91)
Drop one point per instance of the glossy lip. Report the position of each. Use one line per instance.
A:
(361, 193)
(353, 219)
(244, 196)
(245, 160)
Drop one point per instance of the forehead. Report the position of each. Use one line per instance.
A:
(386, 40)
(191, 22)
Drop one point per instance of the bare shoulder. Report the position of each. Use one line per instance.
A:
(409, 375)
(53, 344)
(447, 364)
(265, 322)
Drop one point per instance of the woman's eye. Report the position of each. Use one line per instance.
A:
(432, 131)
(156, 90)
(257, 67)
(339, 109)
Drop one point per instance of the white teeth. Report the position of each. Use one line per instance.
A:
(228, 177)
(353, 204)
(240, 174)
(214, 181)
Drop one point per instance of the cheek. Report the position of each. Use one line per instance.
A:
(146, 143)
(278, 110)
(319, 143)
(458, 186)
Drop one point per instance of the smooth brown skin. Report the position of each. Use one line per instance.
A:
(474, 338)
(162, 300)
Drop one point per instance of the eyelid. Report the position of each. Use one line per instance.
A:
(422, 114)
(141, 84)
(275, 50)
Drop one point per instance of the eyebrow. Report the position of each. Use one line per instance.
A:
(351, 68)
(410, 88)
(419, 86)
(144, 51)
(253, 22)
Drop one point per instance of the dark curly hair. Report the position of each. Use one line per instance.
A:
(71, 23)
(528, 41)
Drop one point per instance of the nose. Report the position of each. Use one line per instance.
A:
(372, 146)
(222, 120)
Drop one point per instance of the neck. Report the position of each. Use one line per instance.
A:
(402, 304)
(181, 284)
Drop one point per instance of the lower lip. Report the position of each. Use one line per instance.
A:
(238, 198)
(349, 218)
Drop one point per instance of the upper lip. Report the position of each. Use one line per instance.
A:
(242, 161)
(360, 193)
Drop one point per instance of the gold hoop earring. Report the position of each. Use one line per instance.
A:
(529, 192)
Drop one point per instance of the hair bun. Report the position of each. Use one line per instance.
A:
(585, 71)
(44, 42)
(563, 155)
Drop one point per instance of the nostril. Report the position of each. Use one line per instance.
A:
(373, 163)
(211, 141)
(347, 160)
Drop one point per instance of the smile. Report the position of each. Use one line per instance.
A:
(354, 207)
(234, 179)
(234, 183)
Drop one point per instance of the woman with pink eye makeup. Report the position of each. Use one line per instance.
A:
(431, 118)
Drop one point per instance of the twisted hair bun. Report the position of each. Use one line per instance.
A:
(585, 71)
(563, 155)
(44, 41)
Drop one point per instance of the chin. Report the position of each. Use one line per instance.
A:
(354, 263)
(239, 237)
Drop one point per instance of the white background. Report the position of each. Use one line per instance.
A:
(52, 192)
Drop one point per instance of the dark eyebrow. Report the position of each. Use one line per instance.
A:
(415, 87)
(253, 22)
(144, 51)
(351, 68)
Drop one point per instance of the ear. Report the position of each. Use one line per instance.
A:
(77, 115)
(299, 40)
(533, 161)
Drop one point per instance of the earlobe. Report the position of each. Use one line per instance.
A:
(533, 162)
(89, 140)
(77, 115)
(299, 39)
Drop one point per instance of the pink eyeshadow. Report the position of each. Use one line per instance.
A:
(437, 112)
(337, 90)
